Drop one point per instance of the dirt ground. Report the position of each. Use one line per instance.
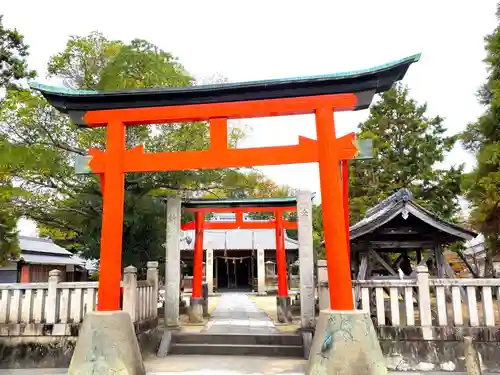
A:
(268, 305)
(185, 326)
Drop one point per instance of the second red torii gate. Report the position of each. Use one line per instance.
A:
(278, 206)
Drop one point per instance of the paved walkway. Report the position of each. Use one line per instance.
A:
(236, 313)
(217, 365)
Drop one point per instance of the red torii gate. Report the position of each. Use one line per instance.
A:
(203, 206)
(216, 104)
(327, 148)
(321, 96)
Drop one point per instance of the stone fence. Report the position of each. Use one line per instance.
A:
(425, 301)
(57, 308)
(421, 320)
(39, 322)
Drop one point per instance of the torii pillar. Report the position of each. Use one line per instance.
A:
(283, 303)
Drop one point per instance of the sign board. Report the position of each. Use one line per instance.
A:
(82, 164)
(365, 147)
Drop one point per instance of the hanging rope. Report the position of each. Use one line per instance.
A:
(234, 259)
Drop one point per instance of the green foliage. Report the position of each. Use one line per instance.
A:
(68, 208)
(83, 60)
(318, 232)
(482, 138)
(9, 247)
(13, 53)
(13, 69)
(407, 146)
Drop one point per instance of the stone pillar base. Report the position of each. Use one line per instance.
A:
(345, 343)
(205, 308)
(107, 344)
(195, 311)
(284, 309)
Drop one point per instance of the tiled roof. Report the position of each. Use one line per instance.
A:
(41, 245)
(475, 247)
(50, 259)
(240, 239)
(402, 203)
(45, 251)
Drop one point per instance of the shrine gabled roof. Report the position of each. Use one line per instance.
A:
(240, 203)
(402, 203)
(241, 239)
(364, 83)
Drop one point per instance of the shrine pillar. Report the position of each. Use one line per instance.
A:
(261, 272)
(345, 199)
(113, 185)
(209, 269)
(330, 352)
(283, 303)
(106, 338)
(196, 302)
(337, 252)
(172, 262)
(306, 259)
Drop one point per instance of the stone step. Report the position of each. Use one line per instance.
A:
(241, 350)
(287, 339)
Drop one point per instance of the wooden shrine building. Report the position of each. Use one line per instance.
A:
(397, 235)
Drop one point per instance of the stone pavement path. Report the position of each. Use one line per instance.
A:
(236, 313)
(217, 365)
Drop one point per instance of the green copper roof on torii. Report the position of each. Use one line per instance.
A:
(243, 202)
(364, 83)
(340, 75)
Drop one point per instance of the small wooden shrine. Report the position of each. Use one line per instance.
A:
(398, 233)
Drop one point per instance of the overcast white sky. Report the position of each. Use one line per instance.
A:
(259, 39)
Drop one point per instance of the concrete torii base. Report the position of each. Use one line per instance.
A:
(107, 344)
(345, 343)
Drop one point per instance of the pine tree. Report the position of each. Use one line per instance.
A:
(482, 138)
(408, 144)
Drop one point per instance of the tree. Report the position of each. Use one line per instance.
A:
(407, 146)
(13, 69)
(318, 231)
(68, 207)
(13, 53)
(482, 138)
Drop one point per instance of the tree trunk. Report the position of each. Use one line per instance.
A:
(488, 266)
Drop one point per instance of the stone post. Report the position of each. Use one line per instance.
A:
(323, 292)
(130, 291)
(209, 270)
(289, 262)
(152, 277)
(52, 301)
(172, 263)
(424, 302)
(472, 362)
(261, 272)
(306, 259)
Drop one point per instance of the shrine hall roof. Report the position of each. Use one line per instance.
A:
(402, 203)
(240, 239)
(364, 83)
